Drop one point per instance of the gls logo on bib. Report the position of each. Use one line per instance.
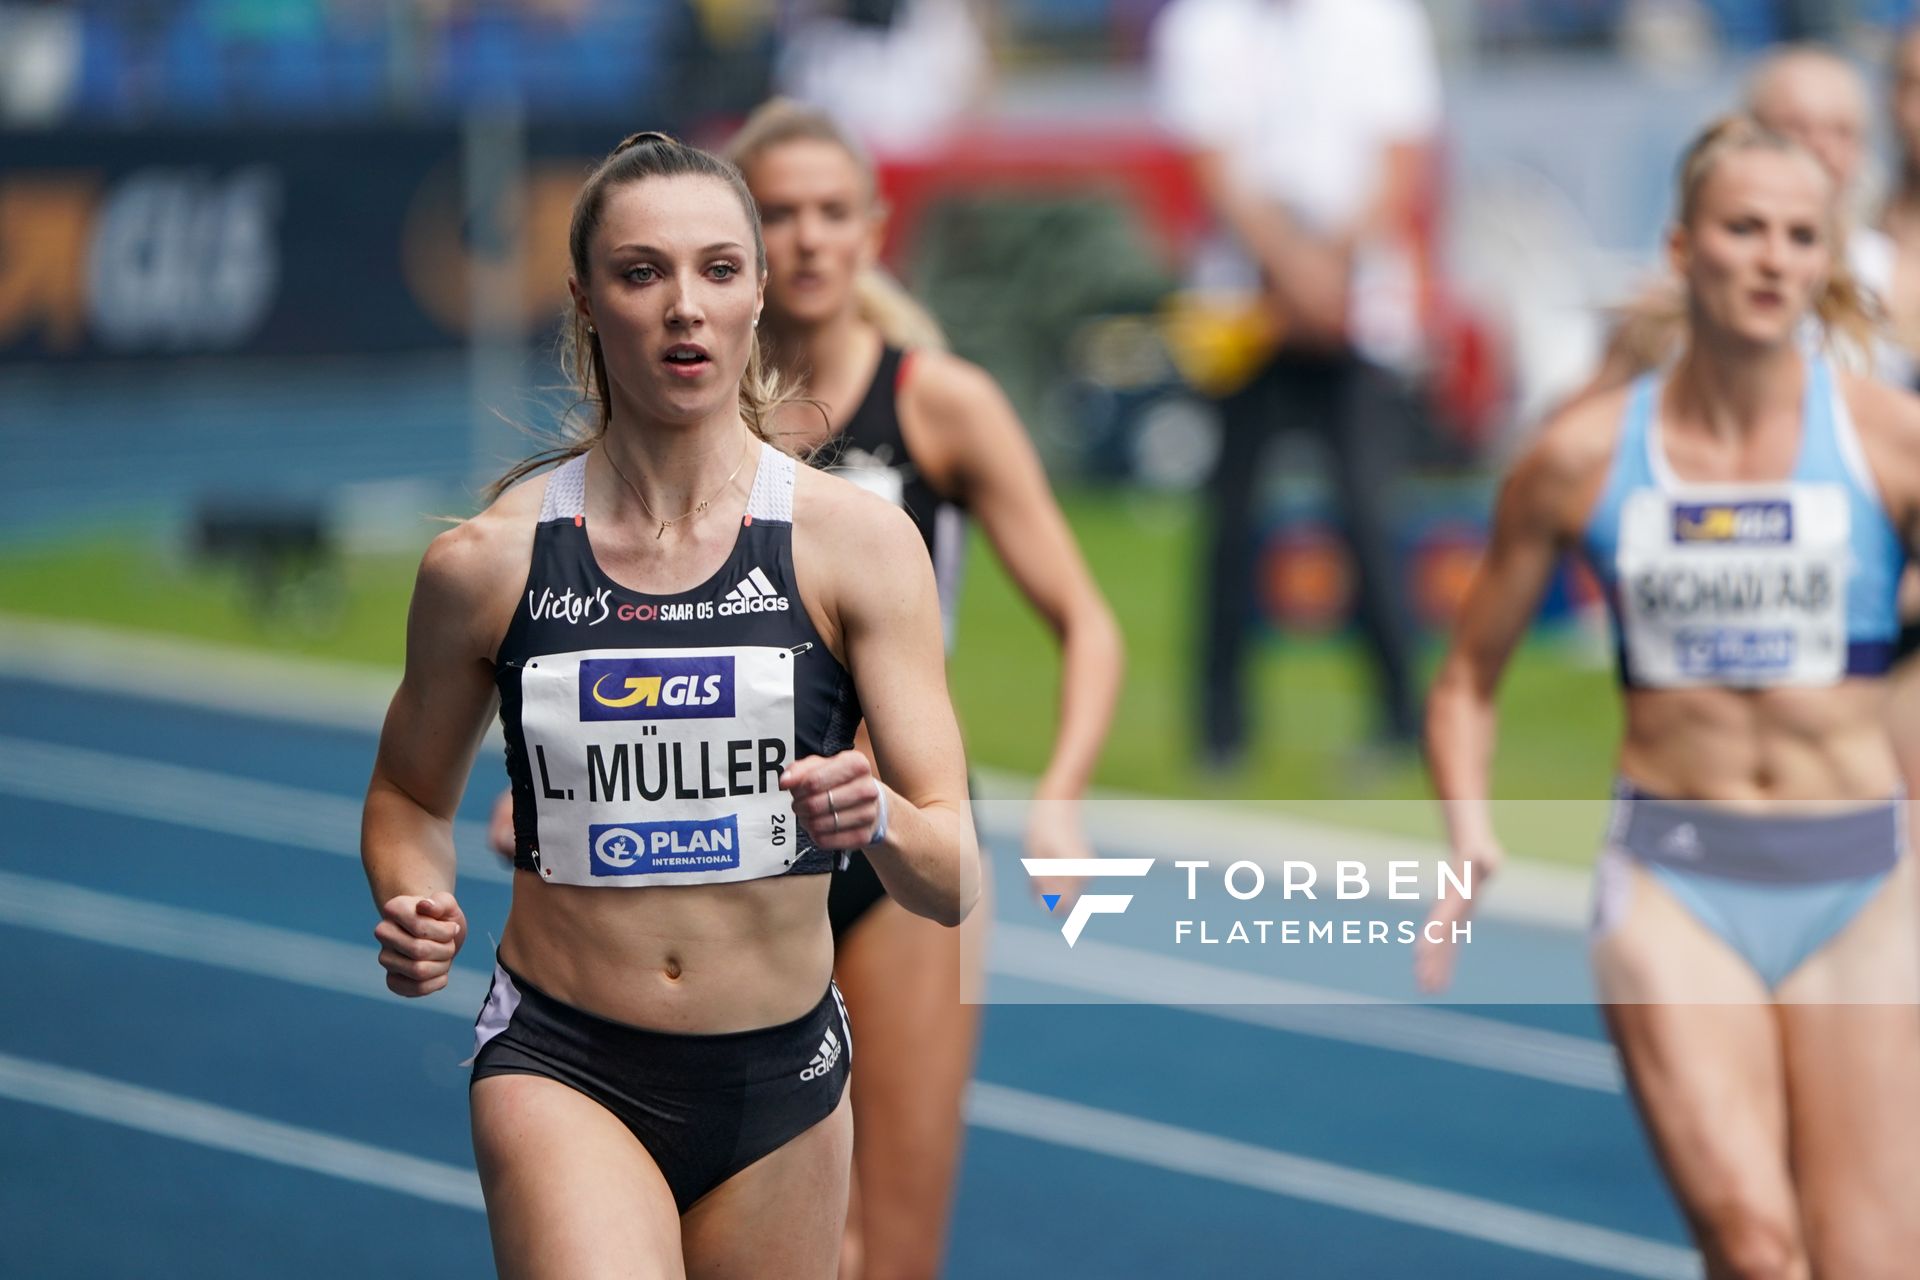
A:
(1760, 523)
(657, 688)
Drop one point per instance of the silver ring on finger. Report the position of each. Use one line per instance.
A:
(832, 808)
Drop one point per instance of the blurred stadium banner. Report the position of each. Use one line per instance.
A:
(245, 242)
(1306, 578)
(203, 243)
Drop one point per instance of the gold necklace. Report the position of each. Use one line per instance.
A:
(698, 507)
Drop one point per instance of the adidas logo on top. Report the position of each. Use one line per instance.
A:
(823, 1060)
(754, 593)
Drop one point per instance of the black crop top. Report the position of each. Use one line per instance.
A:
(871, 451)
(646, 734)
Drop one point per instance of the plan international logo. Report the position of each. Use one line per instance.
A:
(644, 848)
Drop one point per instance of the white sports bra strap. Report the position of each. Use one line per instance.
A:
(566, 491)
(772, 496)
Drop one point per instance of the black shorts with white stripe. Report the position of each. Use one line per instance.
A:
(704, 1107)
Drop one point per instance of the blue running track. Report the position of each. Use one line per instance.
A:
(201, 1072)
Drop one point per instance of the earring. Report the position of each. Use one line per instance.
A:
(591, 329)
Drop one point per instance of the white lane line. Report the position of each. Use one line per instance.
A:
(1131, 975)
(308, 819)
(153, 665)
(169, 1115)
(328, 965)
(1164, 1146)
(221, 802)
(176, 933)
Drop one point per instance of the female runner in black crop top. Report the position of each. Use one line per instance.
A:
(680, 625)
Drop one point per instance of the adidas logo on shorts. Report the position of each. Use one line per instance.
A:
(1682, 842)
(823, 1060)
(754, 593)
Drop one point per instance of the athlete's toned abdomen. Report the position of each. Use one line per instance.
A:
(1751, 746)
(702, 959)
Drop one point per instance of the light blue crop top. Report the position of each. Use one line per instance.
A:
(1747, 585)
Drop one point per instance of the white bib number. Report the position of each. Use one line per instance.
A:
(660, 767)
(1741, 587)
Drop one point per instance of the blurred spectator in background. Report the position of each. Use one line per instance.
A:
(1816, 97)
(1901, 219)
(717, 60)
(40, 43)
(1310, 123)
(897, 74)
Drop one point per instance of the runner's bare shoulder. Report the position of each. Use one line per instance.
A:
(474, 571)
(1558, 477)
